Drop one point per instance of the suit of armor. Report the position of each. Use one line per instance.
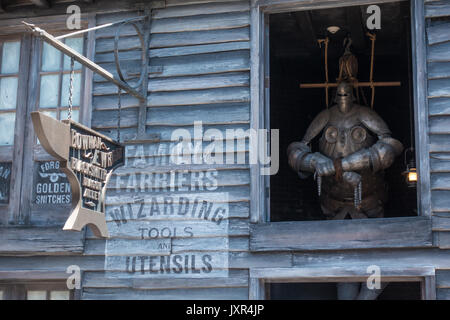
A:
(355, 146)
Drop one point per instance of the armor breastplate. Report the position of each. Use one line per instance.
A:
(344, 134)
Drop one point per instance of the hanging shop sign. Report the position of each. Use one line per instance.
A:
(88, 159)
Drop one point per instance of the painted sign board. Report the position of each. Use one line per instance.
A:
(169, 236)
(51, 186)
(88, 159)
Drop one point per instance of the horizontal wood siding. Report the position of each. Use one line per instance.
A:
(438, 58)
(339, 235)
(199, 71)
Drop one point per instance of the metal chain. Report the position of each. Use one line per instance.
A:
(318, 178)
(119, 104)
(69, 114)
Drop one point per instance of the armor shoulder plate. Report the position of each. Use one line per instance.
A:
(316, 126)
(373, 121)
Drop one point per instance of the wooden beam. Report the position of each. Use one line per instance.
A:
(337, 274)
(407, 232)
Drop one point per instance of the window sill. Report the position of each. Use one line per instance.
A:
(407, 232)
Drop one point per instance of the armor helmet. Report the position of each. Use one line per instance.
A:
(344, 97)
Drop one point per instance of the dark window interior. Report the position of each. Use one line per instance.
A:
(328, 291)
(295, 58)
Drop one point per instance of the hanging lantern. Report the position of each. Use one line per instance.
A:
(411, 170)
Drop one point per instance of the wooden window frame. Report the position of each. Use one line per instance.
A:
(291, 238)
(259, 277)
(17, 290)
(14, 153)
(25, 151)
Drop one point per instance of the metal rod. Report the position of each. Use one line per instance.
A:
(98, 27)
(82, 59)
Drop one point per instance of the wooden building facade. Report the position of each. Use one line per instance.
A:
(193, 229)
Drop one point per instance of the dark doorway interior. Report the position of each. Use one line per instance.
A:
(295, 58)
(328, 291)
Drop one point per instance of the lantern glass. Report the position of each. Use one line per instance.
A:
(412, 176)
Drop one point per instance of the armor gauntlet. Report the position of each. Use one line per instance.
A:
(378, 157)
(303, 161)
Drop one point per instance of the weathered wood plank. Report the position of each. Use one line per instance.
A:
(236, 210)
(443, 294)
(166, 40)
(439, 106)
(178, 294)
(438, 70)
(149, 247)
(201, 23)
(235, 194)
(46, 216)
(163, 155)
(400, 258)
(330, 273)
(200, 9)
(334, 235)
(438, 33)
(108, 118)
(442, 279)
(202, 63)
(439, 143)
(221, 80)
(441, 223)
(116, 246)
(171, 3)
(199, 49)
(256, 290)
(444, 239)
(125, 133)
(165, 132)
(439, 88)
(165, 160)
(210, 244)
(439, 125)
(227, 113)
(439, 52)
(134, 229)
(440, 200)
(115, 16)
(40, 241)
(127, 43)
(30, 275)
(237, 278)
(110, 102)
(437, 9)
(173, 51)
(109, 32)
(187, 180)
(52, 263)
(239, 260)
(207, 96)
(440, 181)
(123, 56)
(131, 70)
